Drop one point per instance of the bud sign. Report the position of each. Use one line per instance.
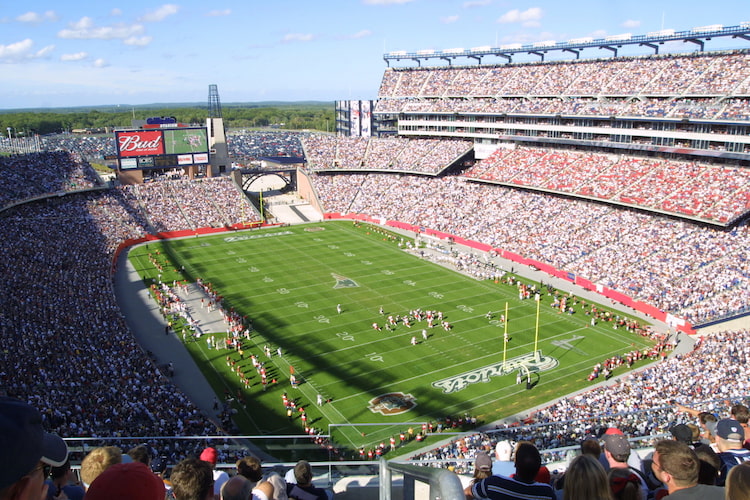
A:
(140, 143)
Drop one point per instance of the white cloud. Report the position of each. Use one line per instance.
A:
(476, 3)
(16, 50)
(528, 18)
(78, 56)
(140, 41)
(161, 13)
(100, 63)
(358, 35)
(449, 19)
(298, 37)
(631, 23)
(385, 2)
(36, 18)
(219, 13)
(43, 52)
(84, 29)
(115, 12)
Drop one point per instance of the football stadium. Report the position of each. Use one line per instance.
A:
(491, 255)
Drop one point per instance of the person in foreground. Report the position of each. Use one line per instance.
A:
(27, 452)
(528, 461)
(676, 465)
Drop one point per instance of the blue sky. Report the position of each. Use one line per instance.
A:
(119, 53)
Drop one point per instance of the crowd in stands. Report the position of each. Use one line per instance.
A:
(693, 272)
(37, 174)
(626, 86)
(427, 156)
(86, 146)
(248, 146)
(710, 192)
(677, 107)
(72, 353)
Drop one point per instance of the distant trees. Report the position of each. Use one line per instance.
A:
(312, 116)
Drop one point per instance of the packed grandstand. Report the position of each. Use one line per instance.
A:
(622, 219)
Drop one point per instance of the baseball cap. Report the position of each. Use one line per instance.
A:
(24, 442)
(209, 455)
(616, 444)
(729, 429)
(127, 481)
(159, 464)
(483, 461)
(682, 432)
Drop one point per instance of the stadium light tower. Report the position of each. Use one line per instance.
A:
(214, 104)
(217, 135)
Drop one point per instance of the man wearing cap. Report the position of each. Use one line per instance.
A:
(729, 437)
(677, 466)
(616, 452)
(211, 456)
(27, 451)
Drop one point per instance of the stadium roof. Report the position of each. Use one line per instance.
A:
(612, 43)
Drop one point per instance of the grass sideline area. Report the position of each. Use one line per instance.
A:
(377, 383)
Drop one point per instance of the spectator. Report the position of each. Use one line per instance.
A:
(61, 482)
(159, 467)
(625, 484)
(127, 481)
(503, 464)
(528, 462)
(304, 489)
(193, 479)
(482, 469)
(237, 488)
(617, 452)
(27, 451)
(710, 464)
(741, 414)
(97, 461)
(140, 454)
(738, 483)
(250, 468)
(586, 480)
(676, 465)
(729, 438)
(210, 455)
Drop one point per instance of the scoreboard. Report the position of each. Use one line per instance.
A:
(161, 148)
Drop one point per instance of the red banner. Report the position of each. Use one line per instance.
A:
(140, 143)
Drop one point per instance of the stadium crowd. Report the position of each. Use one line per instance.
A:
(249, 146)
(677, 86)
(711, 192)
(426, 156)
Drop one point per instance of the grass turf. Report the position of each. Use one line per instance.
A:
(289, 280)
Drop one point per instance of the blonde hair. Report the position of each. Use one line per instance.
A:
(586, 479)
(97, 461)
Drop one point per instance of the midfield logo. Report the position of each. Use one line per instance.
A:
(343, 281)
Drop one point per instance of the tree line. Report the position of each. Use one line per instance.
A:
(291, 116)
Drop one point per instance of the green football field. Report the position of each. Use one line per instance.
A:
(289, 281)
